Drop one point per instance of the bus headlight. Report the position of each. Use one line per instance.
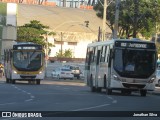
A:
(116, 77)
(15, 72)
(40, 72)
(151, 80)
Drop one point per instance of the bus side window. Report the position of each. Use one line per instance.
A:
(98, 56)
(106, 53)
(102, 57)
(7, 56)
(87, 56)
(94, 55)
(4, 55)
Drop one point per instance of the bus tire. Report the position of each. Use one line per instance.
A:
(99, 89)
(13, 81)
(143, 92)
(38, 82)
(93, 89)
(109, 91)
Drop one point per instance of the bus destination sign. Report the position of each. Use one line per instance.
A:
(133, 45)
(139, 45)
(24, 47)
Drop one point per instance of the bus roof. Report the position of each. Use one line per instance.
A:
(112, 41)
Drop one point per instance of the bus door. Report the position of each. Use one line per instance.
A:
(97, 65)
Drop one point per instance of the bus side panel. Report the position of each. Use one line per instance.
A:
(103, 69)
(93, 74)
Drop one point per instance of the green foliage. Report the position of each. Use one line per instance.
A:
(66, 53)
(34, 32)
(134, 17)
(3, 13)
(158, 48)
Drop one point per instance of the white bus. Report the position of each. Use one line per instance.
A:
(24, 62)
(121, 64)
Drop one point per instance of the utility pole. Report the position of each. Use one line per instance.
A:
(116, 20)
(99, 34)
(156, 24)
(104, 21)
(46, 54)
(61, 43)
(136, 10)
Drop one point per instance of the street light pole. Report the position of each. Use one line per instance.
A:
(116, 20)
(104, 21)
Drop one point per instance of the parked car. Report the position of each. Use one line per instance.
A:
(75, 70)
(62, 73)
(158, 78)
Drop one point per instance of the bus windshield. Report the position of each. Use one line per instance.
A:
(27, 60)
(134, 63)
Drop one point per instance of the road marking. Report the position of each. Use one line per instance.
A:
(98, 106)
(28, 100)
(30, 95)
(8, 103)
(114, 101)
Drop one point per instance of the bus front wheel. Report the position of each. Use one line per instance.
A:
(109, 91)
(7, 80)
(38, 82)
(13, 81)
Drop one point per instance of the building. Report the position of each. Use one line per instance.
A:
(8, 26)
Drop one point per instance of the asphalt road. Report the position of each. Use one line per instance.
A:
(70, 95)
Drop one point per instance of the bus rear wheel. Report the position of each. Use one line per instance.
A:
(143, 92)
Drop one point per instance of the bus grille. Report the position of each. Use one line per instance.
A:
(25, 77)
(133, 85)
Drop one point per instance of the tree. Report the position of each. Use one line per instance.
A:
(66, 53)
(34, 32)
(135, 16)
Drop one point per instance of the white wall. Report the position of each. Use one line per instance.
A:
(79, 50)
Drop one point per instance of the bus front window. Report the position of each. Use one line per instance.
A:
(134, 63)
(27, 61)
